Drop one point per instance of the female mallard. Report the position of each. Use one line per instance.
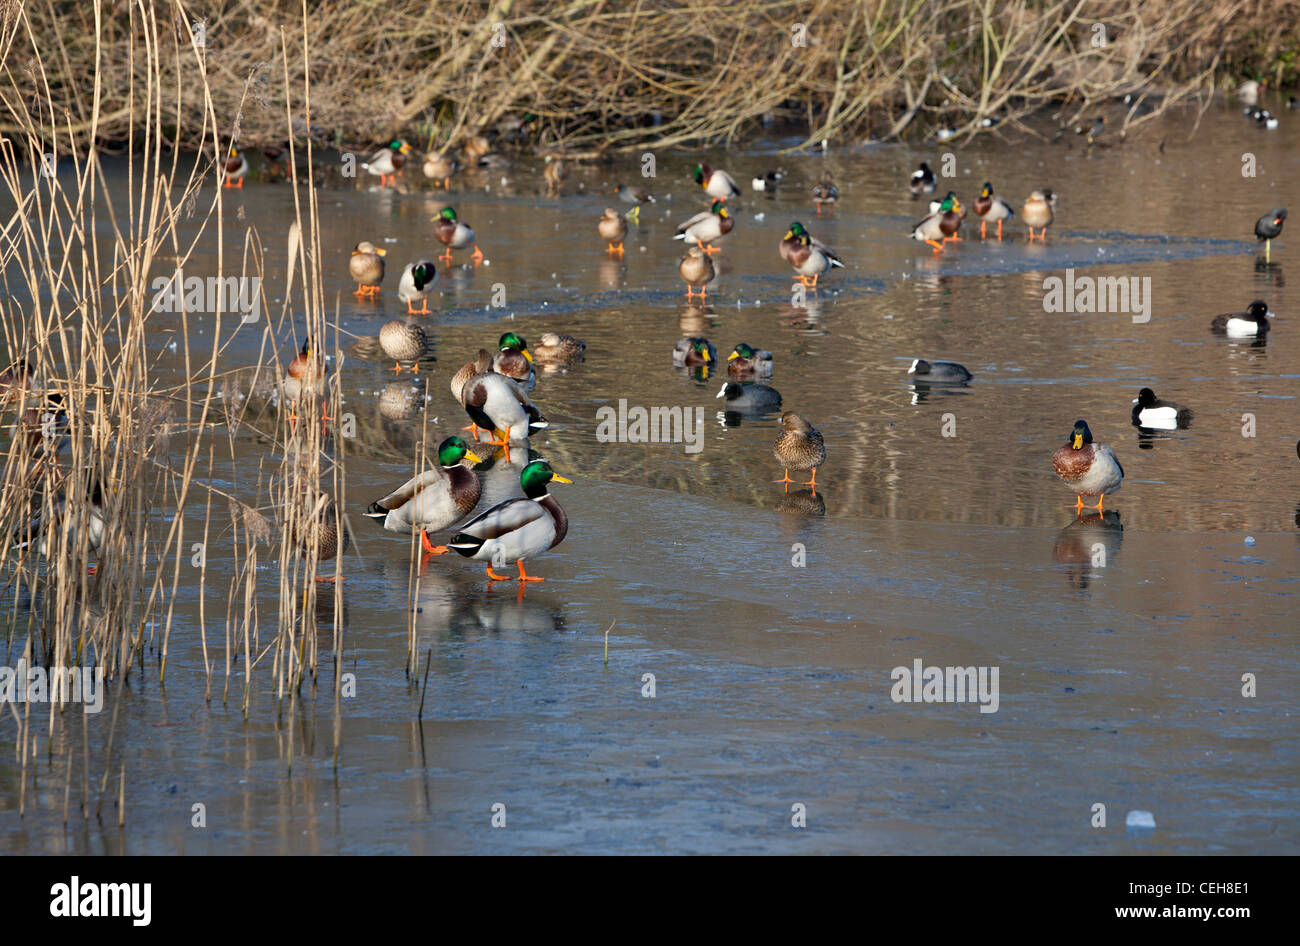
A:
(516, 529)
(439, 167)
(810, 258)
(922, 181)
(1268, 228)
(482, 363)
(938, 372)
(717, 184)
(799, 447)
(324, 535)
(825, 193)
(942, 225)
(1154, 414)
(386, 163)
(633, 195)
(992, 210)
(367, 267)
(475, 149)
(497, 403)
(696, 269)
(1090, 469)
(745, 363)
(1038, 213)
(454, 234)
(435, 499)
(749, 398)
(404, 340)
(612, 229)
(416, 280)
(236, 166)
(689, 352)
(514, 360)
(555, 171)
(707, 226)
(1249, 324)
(559, 350)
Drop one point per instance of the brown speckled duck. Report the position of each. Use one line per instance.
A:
(799, 447)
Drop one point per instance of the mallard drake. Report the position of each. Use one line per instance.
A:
(386, 163)
(810, 258)
(435, 499)
(767, 184)
(1268, 228)
(938, 372)
(417, 279)
(1154, 414)
(799, 447)
(633, 195)
(559, 350)
(555, 171)
(497, 403)
(236, 167)
(482, 363)
(749, 398)
(366, 266)
(696, 269)
(707, 226)
(922, 181)
(940, 226)
(717, 184)
(689, 352)
(324, 534)
(87, 517)
(439, 167)
(1038, 213)
(745, 363)
(515, 361)
(992, 209)
(1090, 469)
(612, 229)
(45, 426)
(519, 528)
(1249, 324)
(825, 193)
(404, 340)
(454, 234)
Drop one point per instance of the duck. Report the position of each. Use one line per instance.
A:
(767, 183)
(439, 167)
(404, 340)
(810, 258)
(752, 398)
(434, 500)
(87, 518)
(1088, 468)
(559, 350)
(454, 234)
(387, 162)
(555, 171)
(1248, 91)
(992, 209)
(706, 226)
(746, 363)
(689, 352)
(717, 184)
(633, 195)
(306, 373)
(696, 270)
(800, 447)
(612, 229)
(1038, 212)
(938, 372)
(515, 361)
(1265, 119)
(236, 167)
(922, 181)
(17, 378)
(498, 404)
(482, 363)
(519, 528)
(324, 534)
(416, 281)
(1269, 227)
(475, 148)
(1093, 129)
(941, 225)
(1249, 324)
(45, 425)
(399, 400)
(366, 266)
(1152, 413)
(825, 193)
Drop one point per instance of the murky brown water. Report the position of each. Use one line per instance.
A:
(1119, 684)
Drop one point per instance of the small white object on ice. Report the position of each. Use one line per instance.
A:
(1250, 540)
(1137, 818)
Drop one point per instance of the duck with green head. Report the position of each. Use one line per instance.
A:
(941, 225)
(498, 404)
(809, 256)
(514, 360)
(454, 234)
(992, 209)
(236, 167)
(434, 500)
(717, 184)
(746, 363)
(707, 226)
(414, 284)
(1088, 468)
(387, 163)
(519, 528)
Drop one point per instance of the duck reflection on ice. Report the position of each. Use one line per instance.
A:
(452, 602)
(1087, 546)
(803, 503)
